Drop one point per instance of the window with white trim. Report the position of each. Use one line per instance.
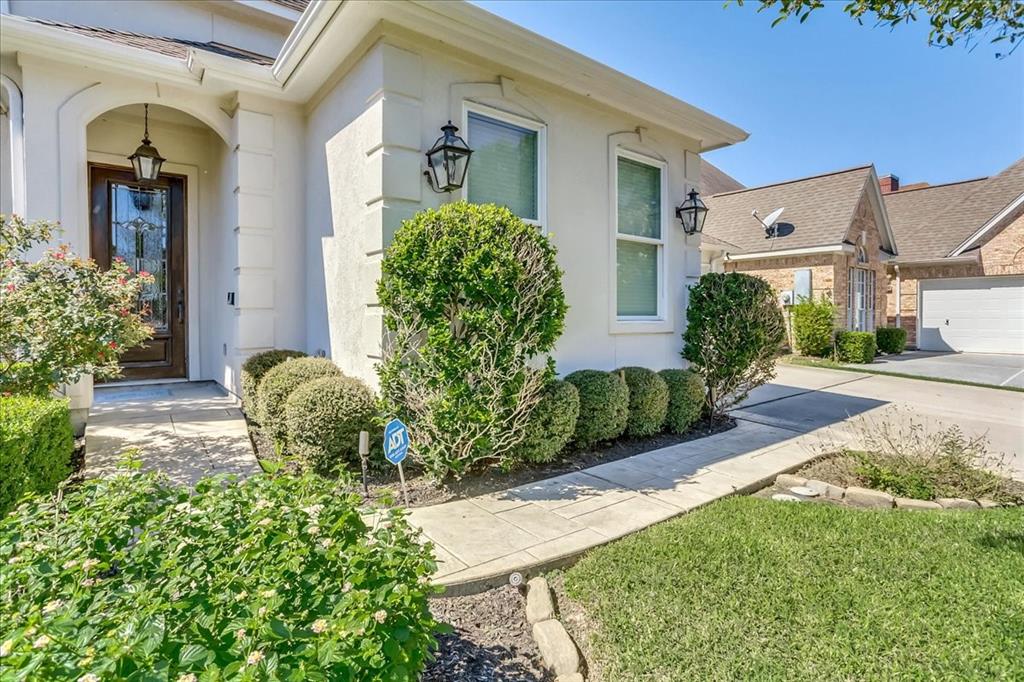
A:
(507, 167)
(639, 237)
(860, 300)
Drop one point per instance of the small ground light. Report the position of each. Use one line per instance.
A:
(515, 579)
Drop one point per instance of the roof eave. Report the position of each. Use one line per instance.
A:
(941, 260)
(992, 222)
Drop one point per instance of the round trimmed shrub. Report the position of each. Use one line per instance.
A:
(551, 425)
(270, 578)
(813, 321)
(279, 382)
(604, 406)
(253, 370)
(855, 347)
(648, 401)
(324, 417)
(685, 398)
(891, 340)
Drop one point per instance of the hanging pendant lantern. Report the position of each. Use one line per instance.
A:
(146, 160)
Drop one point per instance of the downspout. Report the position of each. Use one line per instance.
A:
(899, 298)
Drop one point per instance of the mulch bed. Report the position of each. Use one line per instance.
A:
(491, 640)
(424, 491)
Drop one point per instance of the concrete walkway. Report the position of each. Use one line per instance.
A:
(481, 540)
(186, 430)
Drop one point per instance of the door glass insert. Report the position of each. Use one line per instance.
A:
(139, 231)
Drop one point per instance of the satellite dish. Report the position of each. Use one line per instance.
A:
(769, 222)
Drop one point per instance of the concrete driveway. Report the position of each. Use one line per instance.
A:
(804, 398)
(982, 368)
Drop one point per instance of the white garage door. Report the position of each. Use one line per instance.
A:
(973, 315)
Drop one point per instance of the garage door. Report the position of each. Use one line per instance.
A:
(974, 315)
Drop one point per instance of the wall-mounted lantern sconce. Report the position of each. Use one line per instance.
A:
(448, 161)
(692, 213)
(146, 160)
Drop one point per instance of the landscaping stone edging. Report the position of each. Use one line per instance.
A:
(557, 648)
(798, 489)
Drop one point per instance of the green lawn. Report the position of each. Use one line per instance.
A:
(750, 588)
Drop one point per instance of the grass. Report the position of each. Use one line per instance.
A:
(804, 361)
(749, 588)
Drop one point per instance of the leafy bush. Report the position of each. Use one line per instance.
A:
(470, 294)
(271, 578)
(35, 446)
(685, 398)
(324, 417)
(813, 321)
(648, 401)
(604, 406)
(253, 370)
(891, 340)
(858, 347)
(61, 317)
(734, 330)
(279, 382)
(552, 424)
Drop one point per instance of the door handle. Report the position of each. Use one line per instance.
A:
(181, 305)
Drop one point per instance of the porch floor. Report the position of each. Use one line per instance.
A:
(186, 430)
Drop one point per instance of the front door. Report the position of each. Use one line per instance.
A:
(145, 225)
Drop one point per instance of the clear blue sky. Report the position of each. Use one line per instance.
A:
(819, 96)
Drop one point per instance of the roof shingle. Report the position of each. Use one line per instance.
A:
(819, 208)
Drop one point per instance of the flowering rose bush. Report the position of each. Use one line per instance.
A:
(271, 578)
(61, 317)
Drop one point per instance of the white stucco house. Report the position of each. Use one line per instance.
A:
(295, 133)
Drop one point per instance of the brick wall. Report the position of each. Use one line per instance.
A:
(1003, 254)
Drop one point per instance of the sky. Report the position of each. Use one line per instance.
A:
(815, 97)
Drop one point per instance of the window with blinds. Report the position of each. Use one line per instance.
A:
(505, 168)
(639, 242)
(860, 300)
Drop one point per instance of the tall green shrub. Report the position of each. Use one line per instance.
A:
(279, 382)
(471, 294)
(270, 578)
(36, 444)
(891, 340)
(734, 329)
(253, 370)
(813, 325)
(552, 424)
(604, 406)
(685, 398)
(858, 347)
(648, 401)
(324, 417)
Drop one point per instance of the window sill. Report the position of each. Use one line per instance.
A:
(640, 327)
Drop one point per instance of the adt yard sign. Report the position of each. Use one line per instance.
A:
(396, 441)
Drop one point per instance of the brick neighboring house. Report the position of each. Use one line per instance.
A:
(832, 240)
(957, 282)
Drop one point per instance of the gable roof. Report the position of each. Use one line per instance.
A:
(172, 47)
(943, 221)
(714, 181)
(819, 208)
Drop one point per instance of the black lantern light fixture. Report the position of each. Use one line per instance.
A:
(692, 213)
(146, 160)
(448, 161)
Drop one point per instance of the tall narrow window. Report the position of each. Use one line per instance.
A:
(639, 242)
(860, 300)
(507, 163)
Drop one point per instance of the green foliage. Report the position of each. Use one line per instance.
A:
(552, 424)
(757, 598)
(61, 317)
(604, 406)
(279, 382)
(324, 417)
(470, 294)
(813, 321)
(253, 370)
(951, 21)
(734, 331)
(35, 446)
(278, 578)
(891, 340)
(685, 398)
(648, 401)
(858, 347)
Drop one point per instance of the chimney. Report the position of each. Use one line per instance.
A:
(889, 183)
